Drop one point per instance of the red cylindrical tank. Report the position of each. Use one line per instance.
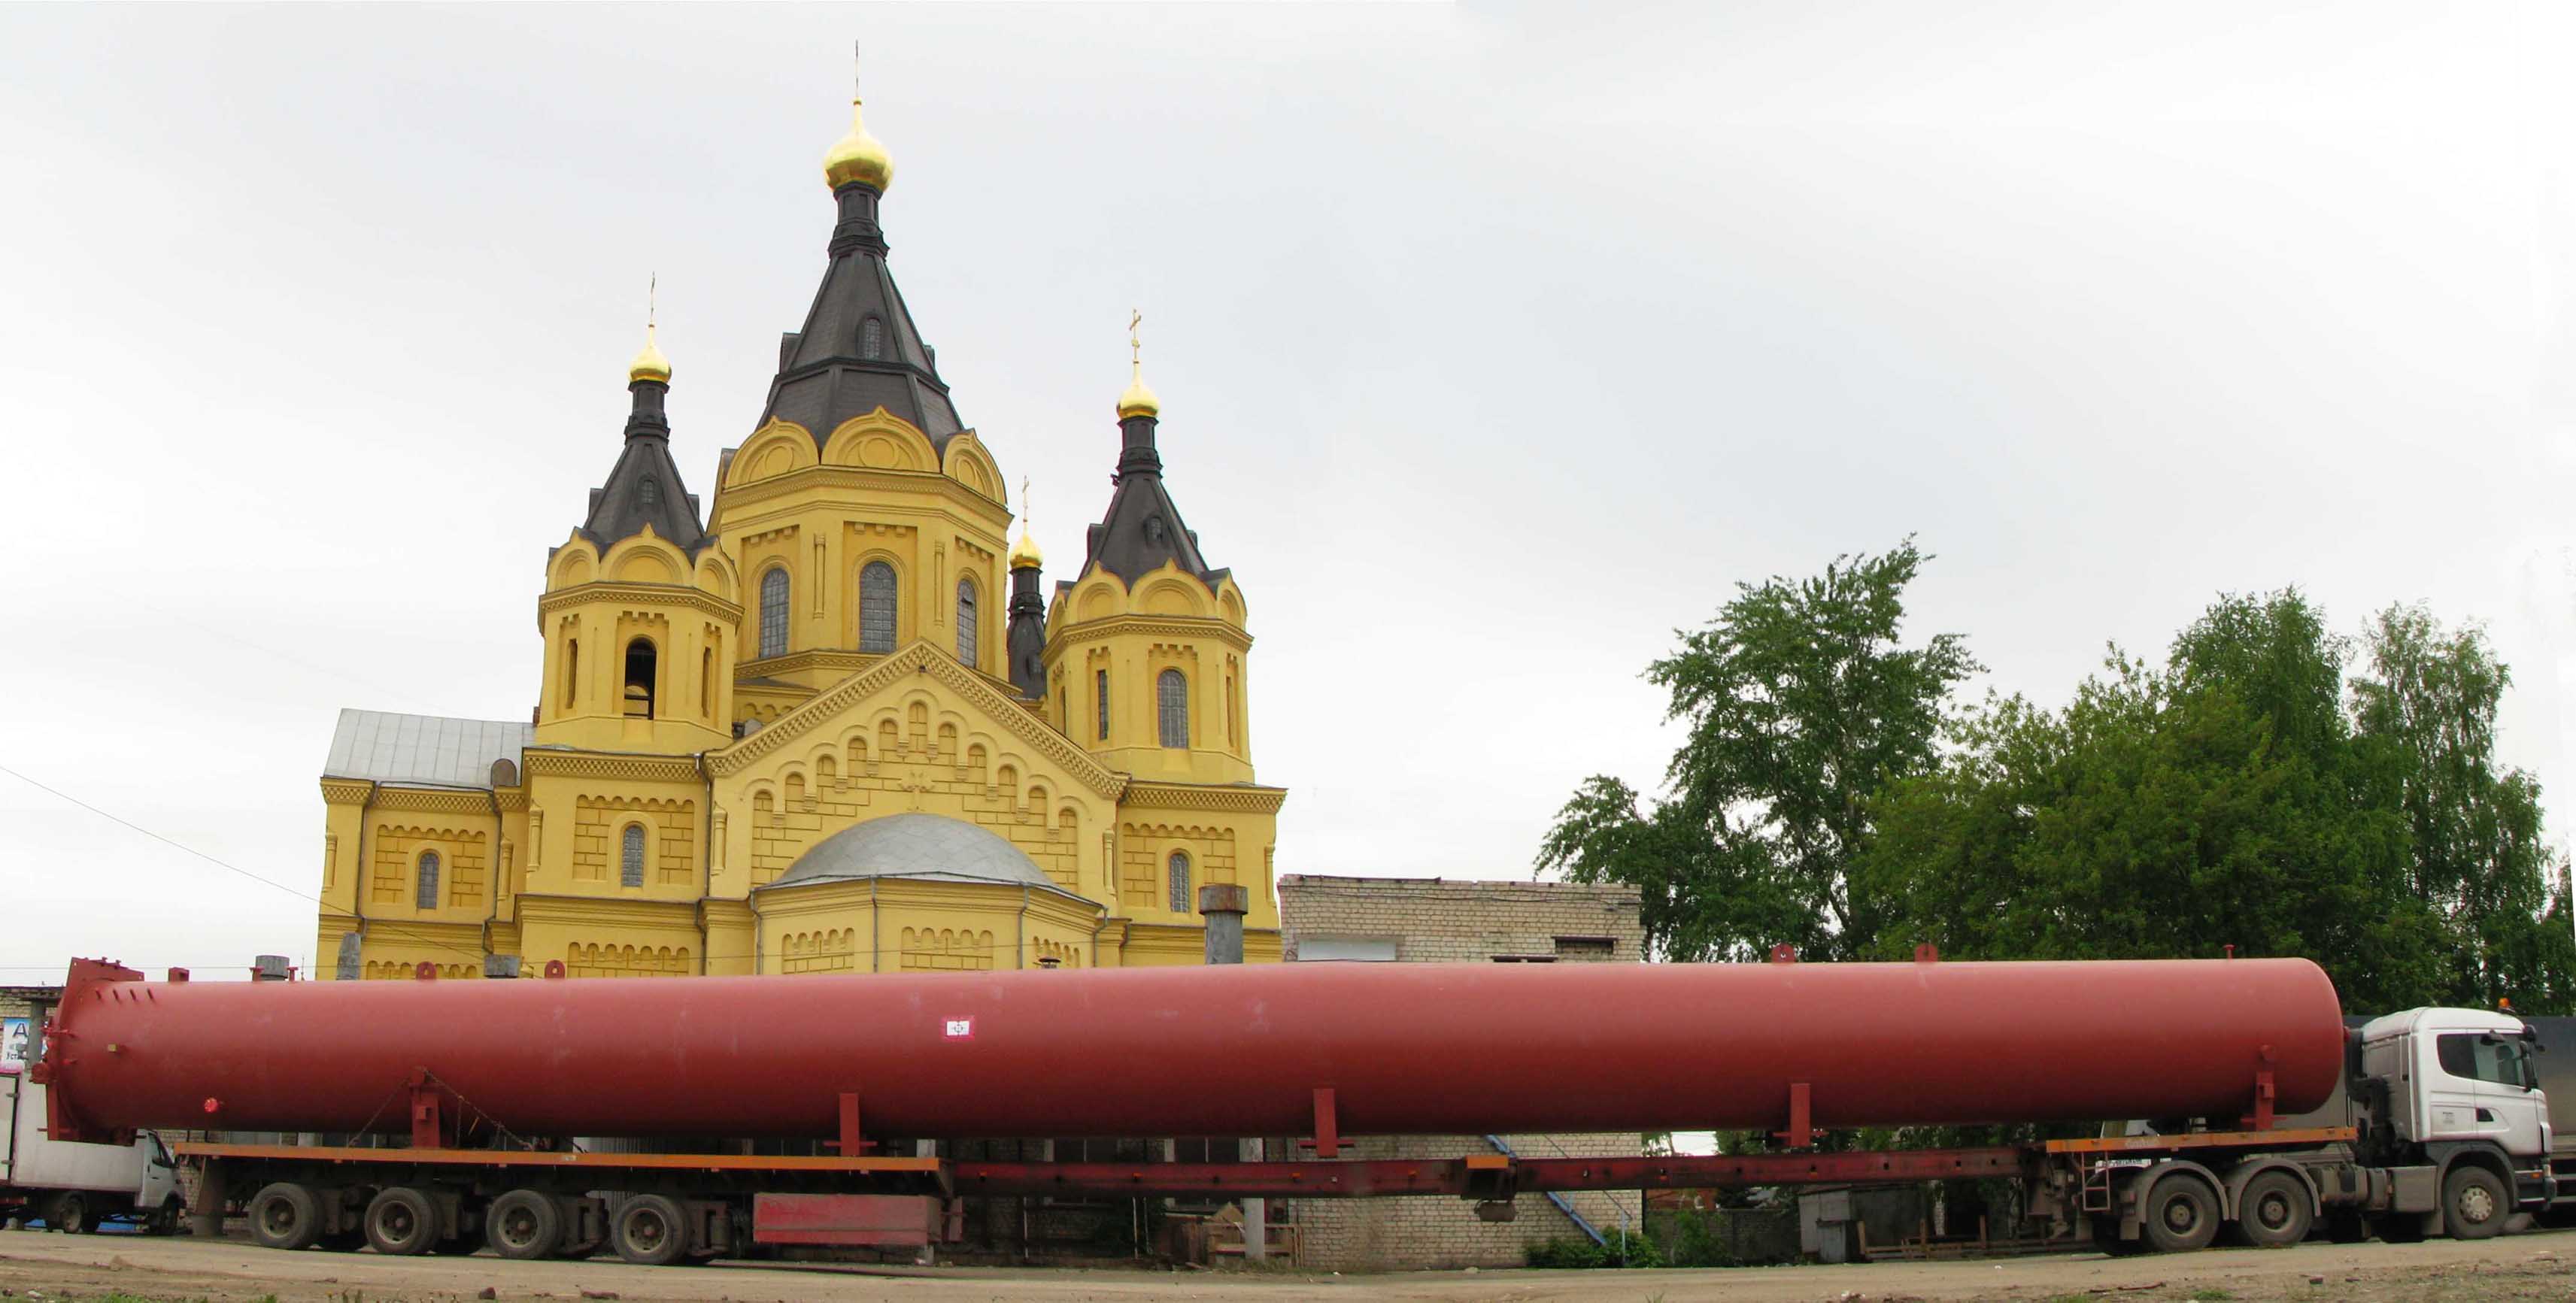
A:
(1438, 1049)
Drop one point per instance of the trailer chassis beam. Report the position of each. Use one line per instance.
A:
(1480, 1176)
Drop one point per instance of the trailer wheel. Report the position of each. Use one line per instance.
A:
(2181, 1215)
(2474, 1204)
(649, 1231)
(71, 1214)
(285, 1215)
(402, 1222)
(2274, 1209)
(524, 1224)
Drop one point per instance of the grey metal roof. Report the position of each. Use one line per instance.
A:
(426, 749)
(914, 846)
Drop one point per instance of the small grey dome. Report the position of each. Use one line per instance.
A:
(914, 846)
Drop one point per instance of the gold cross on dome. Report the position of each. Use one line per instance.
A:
(1135, 349)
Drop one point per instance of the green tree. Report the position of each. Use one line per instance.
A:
(2476, 862)
(1801, 704)
(2241, 795)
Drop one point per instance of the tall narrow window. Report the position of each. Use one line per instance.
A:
(630, 857)
(967, 630)
(572, 670)
(1100, 700)
(1172, 707)
(649, 493)
(876, 607)
(773, 612)
(641, 678)
(872, 339)
(1180, 869)
(427, 896)
(707, 682)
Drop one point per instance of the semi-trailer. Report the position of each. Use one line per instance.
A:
(2268, 1119)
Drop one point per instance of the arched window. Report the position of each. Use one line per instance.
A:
(707, 682)
(876, 607)
(641, 676)
(427, 897)
(1100, 700)
(649, 493)
(572, 670)
(1180, 868)
(872, 339)
(1172, 707)
(630, 857)
(967, 630)
(773, 612)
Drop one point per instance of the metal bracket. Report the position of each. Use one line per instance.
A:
(1328, 1126)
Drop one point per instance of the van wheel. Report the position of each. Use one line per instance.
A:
(2274, 1210)
(649, 1231)
(71, 1214)
(2181, 1215)
(285, 1215)
(524, 1224)
(402, 1222)
(2474, 1205)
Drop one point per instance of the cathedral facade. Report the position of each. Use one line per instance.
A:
(837, 724)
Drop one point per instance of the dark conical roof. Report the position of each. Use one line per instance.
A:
(1143, 528)
(859, 350)
(644, 487)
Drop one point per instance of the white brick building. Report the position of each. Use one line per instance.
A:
(1429, 920)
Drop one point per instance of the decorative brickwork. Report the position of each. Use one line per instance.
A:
(600, 822)
(1437, 920)
(627, 961)
(397, 866)
(947, 950)
(904, 768)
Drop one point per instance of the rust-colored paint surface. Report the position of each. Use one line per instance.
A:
(1421, 1049)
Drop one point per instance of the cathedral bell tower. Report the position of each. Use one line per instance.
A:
(640, 613)
(1147, 654)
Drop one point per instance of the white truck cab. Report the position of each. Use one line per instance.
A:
(2459, 1075)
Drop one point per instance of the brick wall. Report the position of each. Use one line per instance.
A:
(1423, 920)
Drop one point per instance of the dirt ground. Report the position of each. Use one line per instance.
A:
(51, 1268)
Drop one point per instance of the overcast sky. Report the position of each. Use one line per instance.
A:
(1493, 347)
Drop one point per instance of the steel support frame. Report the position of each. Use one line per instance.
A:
(1480, 1176)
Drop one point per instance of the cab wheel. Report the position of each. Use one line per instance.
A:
(2274, 1210)
(2474, 1204)
(2181, 1215)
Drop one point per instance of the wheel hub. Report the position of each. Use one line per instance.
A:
(2476, 1204)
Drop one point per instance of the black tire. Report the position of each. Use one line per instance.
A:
(524, 1224)
(649, 1231)
(403, 1222)
(286, 1215)
(2274, 1210)
(2475, 1204)
(2181, 1215)
(71, 1213)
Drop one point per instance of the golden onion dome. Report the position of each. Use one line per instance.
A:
(1025, 554)
(650, 364)
(858, 158)
(1138, 400)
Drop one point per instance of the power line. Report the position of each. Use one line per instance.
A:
(124, 822)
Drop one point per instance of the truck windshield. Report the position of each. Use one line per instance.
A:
(2476, 1056)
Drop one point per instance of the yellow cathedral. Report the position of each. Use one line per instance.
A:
(836, 726)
